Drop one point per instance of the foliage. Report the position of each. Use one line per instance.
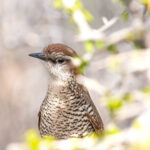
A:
(93, 141)
(34, 142)
(78, 14)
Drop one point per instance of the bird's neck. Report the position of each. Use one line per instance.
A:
(59, 84)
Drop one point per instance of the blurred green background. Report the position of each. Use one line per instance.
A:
(112, 38)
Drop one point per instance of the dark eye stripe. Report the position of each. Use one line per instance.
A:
(61, 60)
(52, 60)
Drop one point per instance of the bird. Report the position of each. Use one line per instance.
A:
(67, 110)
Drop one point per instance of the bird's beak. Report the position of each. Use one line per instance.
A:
(38, 55)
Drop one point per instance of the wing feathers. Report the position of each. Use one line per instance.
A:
(95, 119)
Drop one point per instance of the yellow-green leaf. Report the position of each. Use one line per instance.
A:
(89, 46)
(57, 3)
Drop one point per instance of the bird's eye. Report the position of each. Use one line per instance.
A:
(61, 60)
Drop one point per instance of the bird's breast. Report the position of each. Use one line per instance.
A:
(64, 117)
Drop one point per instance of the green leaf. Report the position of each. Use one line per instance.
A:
(100, 44)
(146, 90)
(136, 124)
(114, 103)
(88, 16)
(78, 5)
(112, 48)
(69, 10)
(49, 138)
(128, 97)
(32, 139)
(130, 36)
(82, 67)
(89, 46)
(112, 129)
(146, 2)
(58, 4)
(125, 16)
(82, 64)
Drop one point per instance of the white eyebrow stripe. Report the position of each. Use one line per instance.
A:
(67, 57)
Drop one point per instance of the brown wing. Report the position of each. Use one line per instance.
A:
(95, 119)
(39, 115)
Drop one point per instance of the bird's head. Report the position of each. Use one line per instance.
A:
(58, 59)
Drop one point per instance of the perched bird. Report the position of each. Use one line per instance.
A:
(67, 110)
